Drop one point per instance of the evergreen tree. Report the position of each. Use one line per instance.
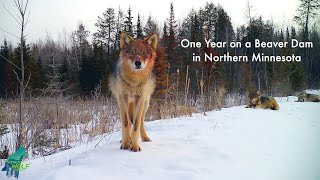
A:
(297, 77)
(150, 27)
(314, 55)
(80, 45)
(307, 10)
(164, 38)
(171, 41)
(4, 51)
(10, 79)
(99, 64)
(36, 78)
(105, 81)
(139, 33)
(161, 72)
(119, 28)
(83, 52)
(208, 16)
(128, 22)
(87, 75)
(32, 69)
(64, 71)
(27, 53)
(106, 35)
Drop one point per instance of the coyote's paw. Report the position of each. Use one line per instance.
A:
(135, 148)
(146, 139)
(125, 145)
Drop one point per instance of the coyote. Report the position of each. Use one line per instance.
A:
(132, 84)
(265, 102)
(305, 97)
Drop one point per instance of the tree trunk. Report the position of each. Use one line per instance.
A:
(21, 97)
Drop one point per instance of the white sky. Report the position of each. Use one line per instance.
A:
(57, 16)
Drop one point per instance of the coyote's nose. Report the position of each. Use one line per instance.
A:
(138, 64)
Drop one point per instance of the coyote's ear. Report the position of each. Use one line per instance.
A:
(152, 40)
(125, 39)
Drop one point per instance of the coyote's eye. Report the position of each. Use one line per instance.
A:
(145, 52)
(129, 51)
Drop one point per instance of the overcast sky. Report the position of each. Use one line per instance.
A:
(58, 16)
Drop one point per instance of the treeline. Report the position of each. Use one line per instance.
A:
(76, 66)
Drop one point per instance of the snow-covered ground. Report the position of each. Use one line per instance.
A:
(231, 144)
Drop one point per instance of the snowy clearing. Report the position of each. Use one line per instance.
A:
(231, 144)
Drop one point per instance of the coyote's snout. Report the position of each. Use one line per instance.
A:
(132, 84)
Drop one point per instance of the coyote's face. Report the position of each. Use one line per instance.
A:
(254, 97)
(255, 100)
(138, 54)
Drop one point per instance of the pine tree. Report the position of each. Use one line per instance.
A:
(9, 80)
(99, 64)
(139, 33)
(105, 81)
(32, 69)
(161, 72)
(314, 55)
(208, 17)
(87, 75)
(80, 45)
(128, 23)
(3, 61)
(54, 86)
(164, 38)
(307, 10)
(150, 27)
(170, 41)
(106, 35)
(298, 77)
(119, 28)
(36, 78)
(64, 71)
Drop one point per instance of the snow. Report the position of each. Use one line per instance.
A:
(231, 144)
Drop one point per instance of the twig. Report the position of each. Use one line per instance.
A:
(10, 62)
(9, 33)
(11, 14)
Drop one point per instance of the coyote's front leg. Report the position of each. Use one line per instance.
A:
(125, 122)
(143, 132)
(137, 117)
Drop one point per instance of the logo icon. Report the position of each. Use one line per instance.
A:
(14, 163)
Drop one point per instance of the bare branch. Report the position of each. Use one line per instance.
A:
(25, 36)
(9, 33)
(18, 5)
(25, 87)
(27, 19)
(10, 62)
(17, 76)
(11, 14)
(25, 8)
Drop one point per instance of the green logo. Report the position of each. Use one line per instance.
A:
(15, 163)
(19, 166)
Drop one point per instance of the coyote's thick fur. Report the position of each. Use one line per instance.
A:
(132, 84)
(265, 102)
(305, 97)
